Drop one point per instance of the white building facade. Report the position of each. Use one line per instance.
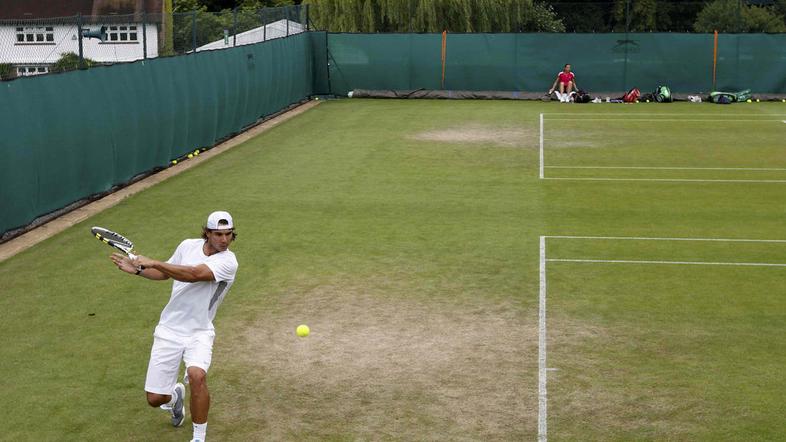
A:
(33, 47)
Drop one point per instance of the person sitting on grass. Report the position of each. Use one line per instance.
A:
(567, 84)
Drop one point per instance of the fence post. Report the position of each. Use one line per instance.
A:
(193, 30)
(79, 34)
(308, 21)
(144, 36)
(627, 42)
(286, 18)
(739, 16)
(234, 27)
(263, 13)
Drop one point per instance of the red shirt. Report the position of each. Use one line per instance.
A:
(566, 77)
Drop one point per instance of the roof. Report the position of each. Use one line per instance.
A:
(32, 9)
(268, 32)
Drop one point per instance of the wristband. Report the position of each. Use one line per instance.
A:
(139, 270)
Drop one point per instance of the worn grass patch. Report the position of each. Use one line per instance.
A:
(387, 365)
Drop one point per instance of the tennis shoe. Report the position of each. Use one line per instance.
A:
(179, 409)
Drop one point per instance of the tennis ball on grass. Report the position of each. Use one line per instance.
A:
(750, 101)
(302, 330)
(648, 101)
(758, 101)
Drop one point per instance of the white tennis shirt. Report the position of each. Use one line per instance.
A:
(193, 305)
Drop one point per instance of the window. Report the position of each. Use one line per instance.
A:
(35, 34)
(24, 71)
(123, 34)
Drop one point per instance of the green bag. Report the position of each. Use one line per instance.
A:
(662, 94)
(735, 97)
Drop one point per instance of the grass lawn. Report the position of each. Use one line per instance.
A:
(405, 234)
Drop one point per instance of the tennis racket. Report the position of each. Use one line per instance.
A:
(115, 240)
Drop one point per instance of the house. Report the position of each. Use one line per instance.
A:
(34, 34)
(277, 29)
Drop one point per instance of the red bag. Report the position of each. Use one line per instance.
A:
(632, 95)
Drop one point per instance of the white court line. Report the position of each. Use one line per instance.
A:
(542, 395)
(541, 146)
(754, 169)
(656, 238)
(667, 120)
(542, 369)
(667, 114)
(673, 180)
(626, 261)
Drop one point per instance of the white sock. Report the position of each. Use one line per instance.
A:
(200, 431)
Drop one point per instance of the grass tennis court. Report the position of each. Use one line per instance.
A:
(406, 234)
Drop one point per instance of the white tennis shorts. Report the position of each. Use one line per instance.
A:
(168, 349)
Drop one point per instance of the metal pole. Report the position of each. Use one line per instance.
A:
(739, 16)
(234, 27)
(287, 20)
(263, 12)
(193, 30)
(79, 33)
(627, 42)
(144, 36)
(308, 27)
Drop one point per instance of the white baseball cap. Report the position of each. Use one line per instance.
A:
(220, 220)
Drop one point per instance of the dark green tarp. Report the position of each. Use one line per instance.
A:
(530, 62)
(68, 136)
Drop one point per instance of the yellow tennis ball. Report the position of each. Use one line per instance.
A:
(302, 330)
(648, 101)
(174, 162)
(750, 101)
(758, 101)
(196, 152)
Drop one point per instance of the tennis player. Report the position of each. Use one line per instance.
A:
(203, 270)
(567, 84)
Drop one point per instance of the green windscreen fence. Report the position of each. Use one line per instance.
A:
(530, 62)
(66, 137)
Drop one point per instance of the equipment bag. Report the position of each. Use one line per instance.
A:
(731, 97)
(632, 95)
(582, 97)
(662, 94)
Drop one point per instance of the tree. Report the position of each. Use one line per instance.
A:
(734, 16)
(69, 61)
(7, 71)
(434, 16)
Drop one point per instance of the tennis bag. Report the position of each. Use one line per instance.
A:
(730, 97)
(662, 94)
(631, 96)
(582, 97)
